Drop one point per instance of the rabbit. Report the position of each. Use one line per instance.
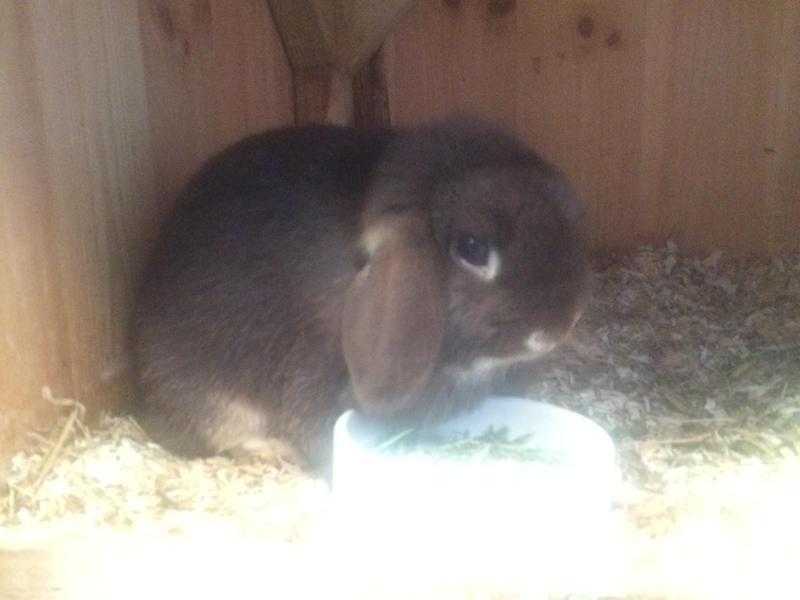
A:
(310, 270)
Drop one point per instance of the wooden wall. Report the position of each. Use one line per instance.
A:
(105, 109)
(215, 71)
(675, 118)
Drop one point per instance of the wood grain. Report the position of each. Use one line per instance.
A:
(676, 119)
(33, 346)
(782, 147)
(99, 168)
(327, 43)
(322, 95)
(370, 96)
(361, 27)
(715, 176)
(105, 109)
(306, 29)
(76, 166)
(340, 33)
(215, 71)
(451, 57)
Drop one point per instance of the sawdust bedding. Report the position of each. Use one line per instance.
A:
(692, 364)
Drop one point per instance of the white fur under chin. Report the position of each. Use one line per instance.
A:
(483, 369)
(539, 343)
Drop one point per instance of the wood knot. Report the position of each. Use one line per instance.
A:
(613, 39)
(585, 27)
(500, 8)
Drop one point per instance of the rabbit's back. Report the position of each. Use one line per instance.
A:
(288, 181)
(243, 291)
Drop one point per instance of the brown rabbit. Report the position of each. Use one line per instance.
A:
(311, 270)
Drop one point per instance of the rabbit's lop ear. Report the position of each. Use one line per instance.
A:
(393, 318)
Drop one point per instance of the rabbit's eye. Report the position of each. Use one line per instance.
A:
(473, 250)
(477, 256)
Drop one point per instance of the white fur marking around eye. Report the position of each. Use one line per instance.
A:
(487, 272)
(539, 343)
(493, 266)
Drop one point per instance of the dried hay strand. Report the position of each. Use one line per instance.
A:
(115, 476)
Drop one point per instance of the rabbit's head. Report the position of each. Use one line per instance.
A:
(473, 259)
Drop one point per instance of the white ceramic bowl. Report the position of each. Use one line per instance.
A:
(539, 510)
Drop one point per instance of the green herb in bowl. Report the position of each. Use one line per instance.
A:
(492, 444)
